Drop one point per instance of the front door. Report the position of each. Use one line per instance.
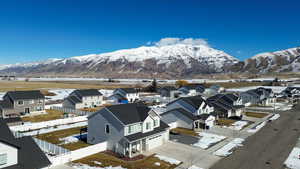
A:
(27, 110)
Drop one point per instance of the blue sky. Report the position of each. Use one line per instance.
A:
(39, 29)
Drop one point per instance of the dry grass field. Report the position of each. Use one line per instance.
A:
(44, 86)
(51, 115)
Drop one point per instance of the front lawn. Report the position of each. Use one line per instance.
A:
(105, 160)
(184, 131)
(225, 122)
(256, 115)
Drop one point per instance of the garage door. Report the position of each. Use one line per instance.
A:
(155, 142)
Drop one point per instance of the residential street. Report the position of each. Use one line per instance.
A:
(269, 147)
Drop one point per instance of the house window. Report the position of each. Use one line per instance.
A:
(130, 129)
(3, 159)
(107, 129)
(148, 125)
(20, 102)
(155, 122)
(40, 101)
(31, 101)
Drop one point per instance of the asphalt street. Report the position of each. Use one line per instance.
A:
(269, 147)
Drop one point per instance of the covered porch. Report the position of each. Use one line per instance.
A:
(135, 148)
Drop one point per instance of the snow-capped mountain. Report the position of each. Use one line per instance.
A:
(167, 61)
(280, 61)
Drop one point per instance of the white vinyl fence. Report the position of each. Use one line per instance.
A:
(47, 124)
(78, 154)
(71, 111)
(45, 146)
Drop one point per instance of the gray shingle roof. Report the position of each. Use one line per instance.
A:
(129, 90)
(19, 95)
(130, 113)
(6, 104)
(74, 99)
(30, 156)
(88, 92)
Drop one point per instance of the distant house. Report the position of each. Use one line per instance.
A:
(131, 94)
(192, 89)
(169, 91)
(227, 105)
(181, 118)
(19, 153)
(83, 98)
(196, 105)
(17, 103)
(129, 129)
(262, 96)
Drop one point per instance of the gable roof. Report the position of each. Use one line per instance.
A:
(168, 88)
(129, 90)
(194, 101)
(30, 156)
(88, 92)
(73, 99)
(36, 159)
(6, 104)
(19, 95)
(6, 135)
(181, 111)
(130, 113)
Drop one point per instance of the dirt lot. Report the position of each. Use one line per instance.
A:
(256, 115)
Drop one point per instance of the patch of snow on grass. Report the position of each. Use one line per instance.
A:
(238, 125)
(293, 161)
(97, 162)
(84, 166)
(157, 163)
(228, 148)
(69, 139)
(257, 128)
(168, 159)
(194, 167)
(208, 140)
(60, 94)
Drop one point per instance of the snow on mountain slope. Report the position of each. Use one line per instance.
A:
(174, 59)
(280, 61)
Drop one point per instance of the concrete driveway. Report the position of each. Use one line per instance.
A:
(184, 139)
(189, 155)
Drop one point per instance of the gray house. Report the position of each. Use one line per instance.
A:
(84, 98)
(262, 96)
(169, 91)
(17, 103)
(20, 153)
(130, 94)
(129, 129)
(184, 119)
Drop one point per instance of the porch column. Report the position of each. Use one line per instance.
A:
(130, 150)
(141, 148)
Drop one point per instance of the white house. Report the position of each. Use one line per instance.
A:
(128, 129)
(19, 152)
(130, 94)
(84, 98)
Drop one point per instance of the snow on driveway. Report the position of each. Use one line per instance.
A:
(257, 128)
(168, 159)
(228, 148)
(238, 125)
(194, 167)
(208, 139)
(293, 161)
(275, 117)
